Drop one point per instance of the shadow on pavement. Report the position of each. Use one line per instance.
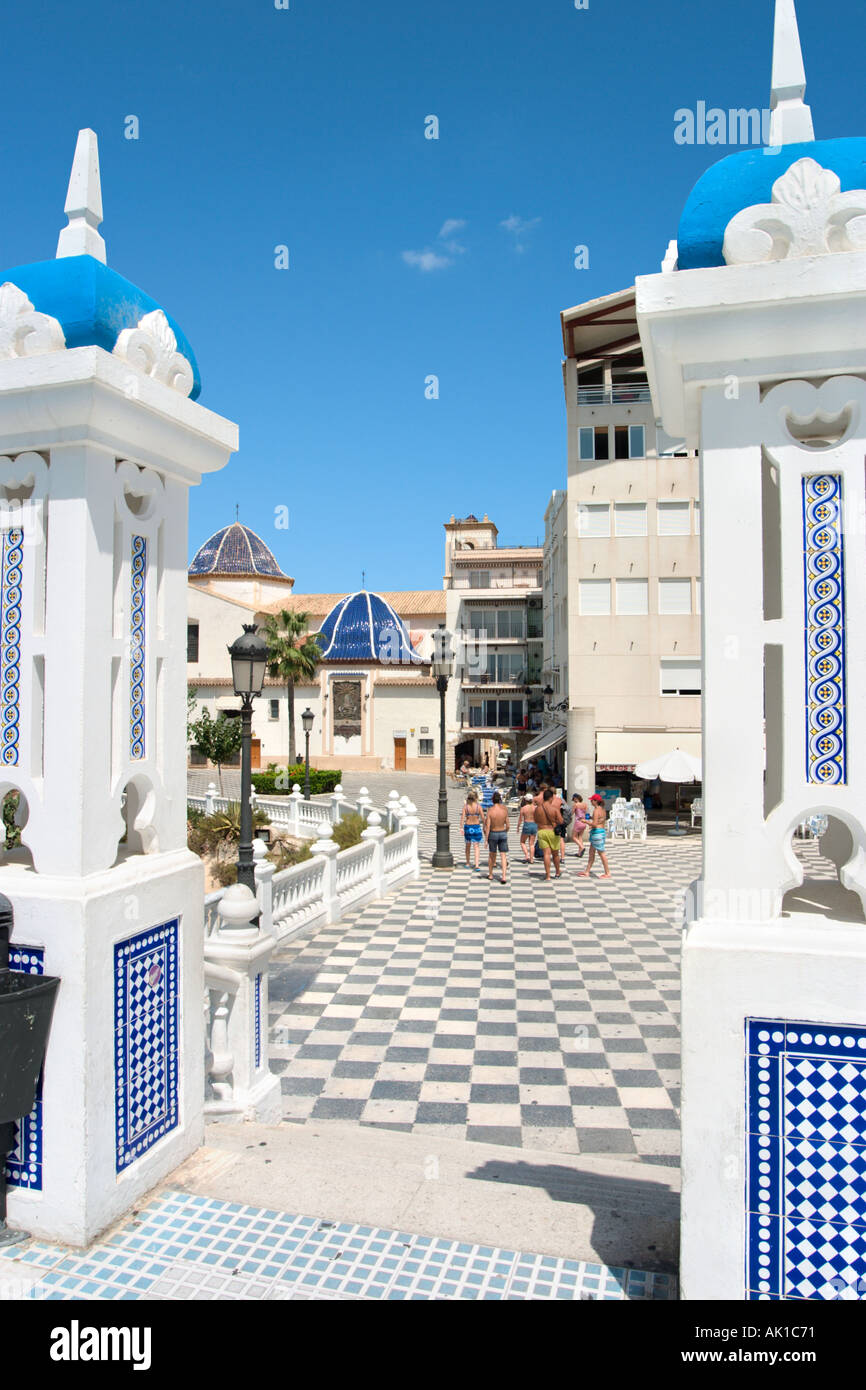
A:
(635, 1221)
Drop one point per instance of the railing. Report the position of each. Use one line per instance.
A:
(612, 395)
(398, 851)
(354, 872)
(242, 931)
(298, 897)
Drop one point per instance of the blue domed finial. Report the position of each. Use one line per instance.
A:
(83, 202)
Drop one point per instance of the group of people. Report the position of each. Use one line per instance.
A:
(544, 826)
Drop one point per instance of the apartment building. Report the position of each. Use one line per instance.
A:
(493, 602)
(622, 586)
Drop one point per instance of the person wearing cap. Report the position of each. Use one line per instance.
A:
(597, 837)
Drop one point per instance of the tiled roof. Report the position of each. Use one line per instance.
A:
(363, 627)
(235, 550)
(403, 601)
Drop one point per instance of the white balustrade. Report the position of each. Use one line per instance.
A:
(236, 959)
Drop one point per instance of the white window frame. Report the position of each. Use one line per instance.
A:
(666, 587)
(582, 433)
(673, 507)
(582, 587)
(633, 509)
(595, 509)
(271, 704)
(691, 663)
(632, 612)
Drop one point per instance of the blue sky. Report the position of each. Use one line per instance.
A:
(305, 127)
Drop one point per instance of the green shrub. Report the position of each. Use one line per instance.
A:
(285, 855)
(213, 834)
(347, 832)
(225, 871)
(280, 781)
(13, 831)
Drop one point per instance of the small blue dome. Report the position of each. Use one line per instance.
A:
(363, 627)
(235, 550)
(746, 178)
(92, 303)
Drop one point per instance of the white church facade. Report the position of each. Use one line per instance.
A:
(374, 702)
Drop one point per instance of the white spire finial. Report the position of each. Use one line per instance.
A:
(791, 118)
(83, 203)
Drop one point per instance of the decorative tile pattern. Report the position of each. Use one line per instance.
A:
(24, 1163)
(137, 637)
(10, 645)
(806, 1165)
(537, 1015)
(146, 1005)
(258, 1019)
(182, 1246)
(824, 629)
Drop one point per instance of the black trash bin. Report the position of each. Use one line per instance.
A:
(26, 1007)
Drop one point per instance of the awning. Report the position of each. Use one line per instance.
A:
(549, 739)
(618, 748)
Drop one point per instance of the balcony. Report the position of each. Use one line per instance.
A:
(612, 395)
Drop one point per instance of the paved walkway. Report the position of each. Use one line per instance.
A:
(529, 1014)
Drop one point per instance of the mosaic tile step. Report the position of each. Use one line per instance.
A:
(183, 1246)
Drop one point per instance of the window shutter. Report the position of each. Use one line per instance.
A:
(594, 597)
(673, 518)
(630, 518)
(675, 596)
(593, 519)
(632, 597)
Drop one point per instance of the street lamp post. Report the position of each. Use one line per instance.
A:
(249, 655)
(307, 720)
(442, 668)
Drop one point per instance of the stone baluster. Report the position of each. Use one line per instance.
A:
(241, 949)
(365, 802)
(393, 809)
(376, 833)
(328, 849)
(209, 799)
(337, 799)
(411, 822)
(264, 872)
(294, 799)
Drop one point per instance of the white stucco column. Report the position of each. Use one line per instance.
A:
(580, 751)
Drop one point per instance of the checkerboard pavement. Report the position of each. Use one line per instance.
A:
(534, 1014)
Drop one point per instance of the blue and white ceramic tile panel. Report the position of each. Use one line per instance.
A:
(824, 581)
(146, 1010)
(24, 1163)
(181, 1245)
(258, 1020)
(806, 1160)
(10, 644)
(137, 648)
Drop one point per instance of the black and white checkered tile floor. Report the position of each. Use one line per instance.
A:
(542, 1015)
(533, 1014)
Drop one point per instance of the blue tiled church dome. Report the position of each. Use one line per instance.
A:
(235, 550)
(363, 627)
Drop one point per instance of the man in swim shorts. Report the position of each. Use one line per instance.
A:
(597, 836)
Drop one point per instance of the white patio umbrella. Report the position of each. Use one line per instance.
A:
(675, 766)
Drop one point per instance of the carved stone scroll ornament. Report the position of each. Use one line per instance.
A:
(23, 331)
(808, 216)
(152, 348)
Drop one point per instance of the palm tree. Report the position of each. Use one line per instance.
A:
(291, 659)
